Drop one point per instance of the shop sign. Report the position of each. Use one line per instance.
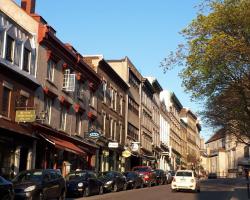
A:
(126, 153)
(113, 144)
(25, 116)
(165, 153)
(94, 134)
(135, 146)
(105, 153)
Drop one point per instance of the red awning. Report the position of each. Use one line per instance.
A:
(63, 144)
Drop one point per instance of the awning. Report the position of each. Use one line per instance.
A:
(62, 144)
(244, 162)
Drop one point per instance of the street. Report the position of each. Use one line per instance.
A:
(215, 189)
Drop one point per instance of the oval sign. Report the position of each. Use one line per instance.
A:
(126, 153)
(94, 134)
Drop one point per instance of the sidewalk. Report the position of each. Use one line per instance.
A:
(240, 190)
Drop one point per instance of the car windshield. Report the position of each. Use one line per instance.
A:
(2, 181)
(75, 175)
(184, 174)
(142, 169)
(129, 174)
(29, 176)
(105, 175)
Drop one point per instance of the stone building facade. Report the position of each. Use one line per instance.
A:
(112, 112)
(18, 57)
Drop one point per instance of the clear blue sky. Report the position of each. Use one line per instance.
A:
(144, 30)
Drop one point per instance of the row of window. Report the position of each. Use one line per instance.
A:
(16, 46)
(133, 132)
(146, 142)
(115, 129)
(133, 106)
(133, 81)
(70, 84)
(147, 120)
(21, 100)
(64, 113)
(146, 101)
(112, 94)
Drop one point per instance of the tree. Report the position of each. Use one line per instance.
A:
(217, 64)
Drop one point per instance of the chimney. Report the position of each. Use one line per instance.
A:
(28, 6)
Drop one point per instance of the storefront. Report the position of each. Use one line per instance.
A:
(60, 151)
(17, 150)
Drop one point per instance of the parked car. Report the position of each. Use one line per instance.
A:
(134, 180)
(160, 176)
(83, 183)
(39, 184)
(185, 180)
(113, 181)
(212, 176)
(147, 173)
(6, 189)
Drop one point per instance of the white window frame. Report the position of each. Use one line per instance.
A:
(63, 117)
(121, 105)
(120, 132)
(79, 124)
(68, 81)
(114, 134)
(104, 122)
(47, 109)
(51, 70)
(111, 128)
(104, 88)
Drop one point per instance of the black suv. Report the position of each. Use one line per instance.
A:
(39, 184)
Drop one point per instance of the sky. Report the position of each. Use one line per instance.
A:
(144, 30)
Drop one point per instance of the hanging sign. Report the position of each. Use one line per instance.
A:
(94, 134)
(135, 146)
(25, 116)
(113, 144)
(126, 153)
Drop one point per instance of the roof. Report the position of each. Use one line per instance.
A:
(176, 100)
(217, 135)
(155, 84)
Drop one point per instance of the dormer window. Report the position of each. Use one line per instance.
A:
(26, 59)
(9, 49)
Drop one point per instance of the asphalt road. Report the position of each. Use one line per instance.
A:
(217, 189)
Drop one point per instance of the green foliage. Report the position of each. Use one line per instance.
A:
(217, 60)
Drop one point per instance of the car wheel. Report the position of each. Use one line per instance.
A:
(62, 195)
(173, 190)
(142, 185)
(86, 192)
(115, 188)
(134, 186)
(41, 196)
(149, 184)
(101, 190)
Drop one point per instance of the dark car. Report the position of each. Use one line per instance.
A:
(148, 175)
(83, 183)
(113, 181)
(6, 189)
(212, 176)
(134, 180)
(39, 184)
(161, 177)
